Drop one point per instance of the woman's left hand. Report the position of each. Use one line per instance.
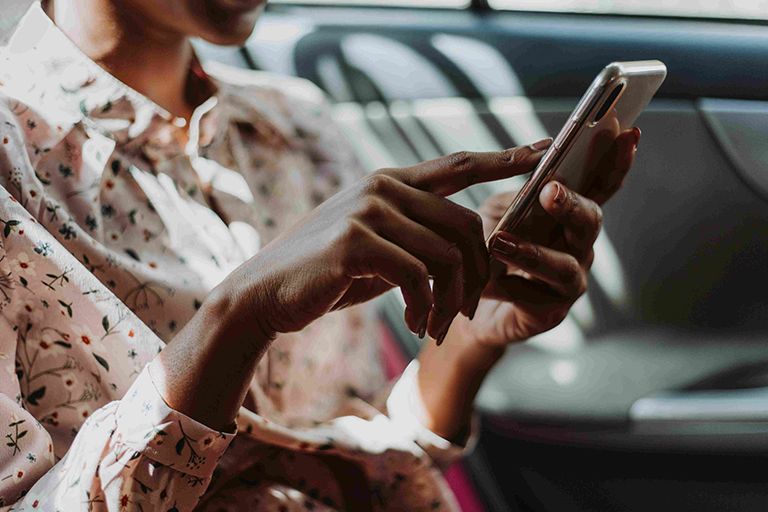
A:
(530, 291)
(535, 285)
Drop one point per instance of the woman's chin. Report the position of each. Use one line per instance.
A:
(234, 38)
(241, 5)
(232, 30)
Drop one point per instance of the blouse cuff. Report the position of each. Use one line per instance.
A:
(148, 425)
(406, 409)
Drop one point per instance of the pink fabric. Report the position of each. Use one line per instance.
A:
(456, 475)
(463, 488)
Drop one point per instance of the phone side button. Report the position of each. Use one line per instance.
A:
(567, 133)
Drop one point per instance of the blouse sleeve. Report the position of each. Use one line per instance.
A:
(406, 410)
(133, 454)
(70, 353)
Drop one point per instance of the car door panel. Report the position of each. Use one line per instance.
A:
(741, 128)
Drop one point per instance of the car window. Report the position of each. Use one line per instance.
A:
(399, 3)
(737, 9)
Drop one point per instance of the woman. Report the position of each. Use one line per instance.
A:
(146, 202)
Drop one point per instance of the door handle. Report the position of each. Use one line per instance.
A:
(711, 405)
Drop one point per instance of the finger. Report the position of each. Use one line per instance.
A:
(444, 260)
(494, 208)
(459, 225)
(449, 174)
(559, 270)
(581, 218)
(619, 160)
(374, 256)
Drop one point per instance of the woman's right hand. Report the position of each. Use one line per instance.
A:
(393, 228)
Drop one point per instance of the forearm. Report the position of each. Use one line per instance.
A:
(209, 365)
(450, 377)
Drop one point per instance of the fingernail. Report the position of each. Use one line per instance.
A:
(560, 194)
(473, 310)
(505, 247)
(475, 303)
(542, 144)
(423, 327)
(443, 333)
(638, 133)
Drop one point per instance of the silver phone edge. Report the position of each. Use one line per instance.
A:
(523, 201)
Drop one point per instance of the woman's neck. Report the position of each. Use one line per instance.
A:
(149, 59)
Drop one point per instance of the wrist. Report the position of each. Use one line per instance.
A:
(208, 367)
(230, 311)
(467, 354)
(450, 377)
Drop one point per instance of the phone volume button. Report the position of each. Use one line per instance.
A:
(566, 134)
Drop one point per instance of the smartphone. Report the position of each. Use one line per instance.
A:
(610, 106)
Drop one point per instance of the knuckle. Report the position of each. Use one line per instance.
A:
(589, 259)
(453, 255)
(417, 274)
(536, 253)
(516, 156)
(372, 209)
(461, 160)
(581, 285)
(572, 202)
(530, 256)
(351, 233)
(376, 184)
(474, 222)
(571, 274)
(598, 216)
(557, 316)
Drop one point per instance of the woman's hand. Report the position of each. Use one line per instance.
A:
(531, 289)
(533, 285)
(394, 228)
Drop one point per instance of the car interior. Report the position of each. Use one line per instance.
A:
(653, 393)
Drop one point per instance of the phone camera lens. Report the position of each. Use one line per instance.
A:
(609, 101)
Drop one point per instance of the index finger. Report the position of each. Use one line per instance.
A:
(450, 174)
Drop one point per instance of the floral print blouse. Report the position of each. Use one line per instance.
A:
(115, 222)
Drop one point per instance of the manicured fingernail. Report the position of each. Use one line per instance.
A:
(441, 337)
(475, 303)
(473, 310)
(560, 195)
(542, 144)
(637, 133)
(505, 247)
(423, 327)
